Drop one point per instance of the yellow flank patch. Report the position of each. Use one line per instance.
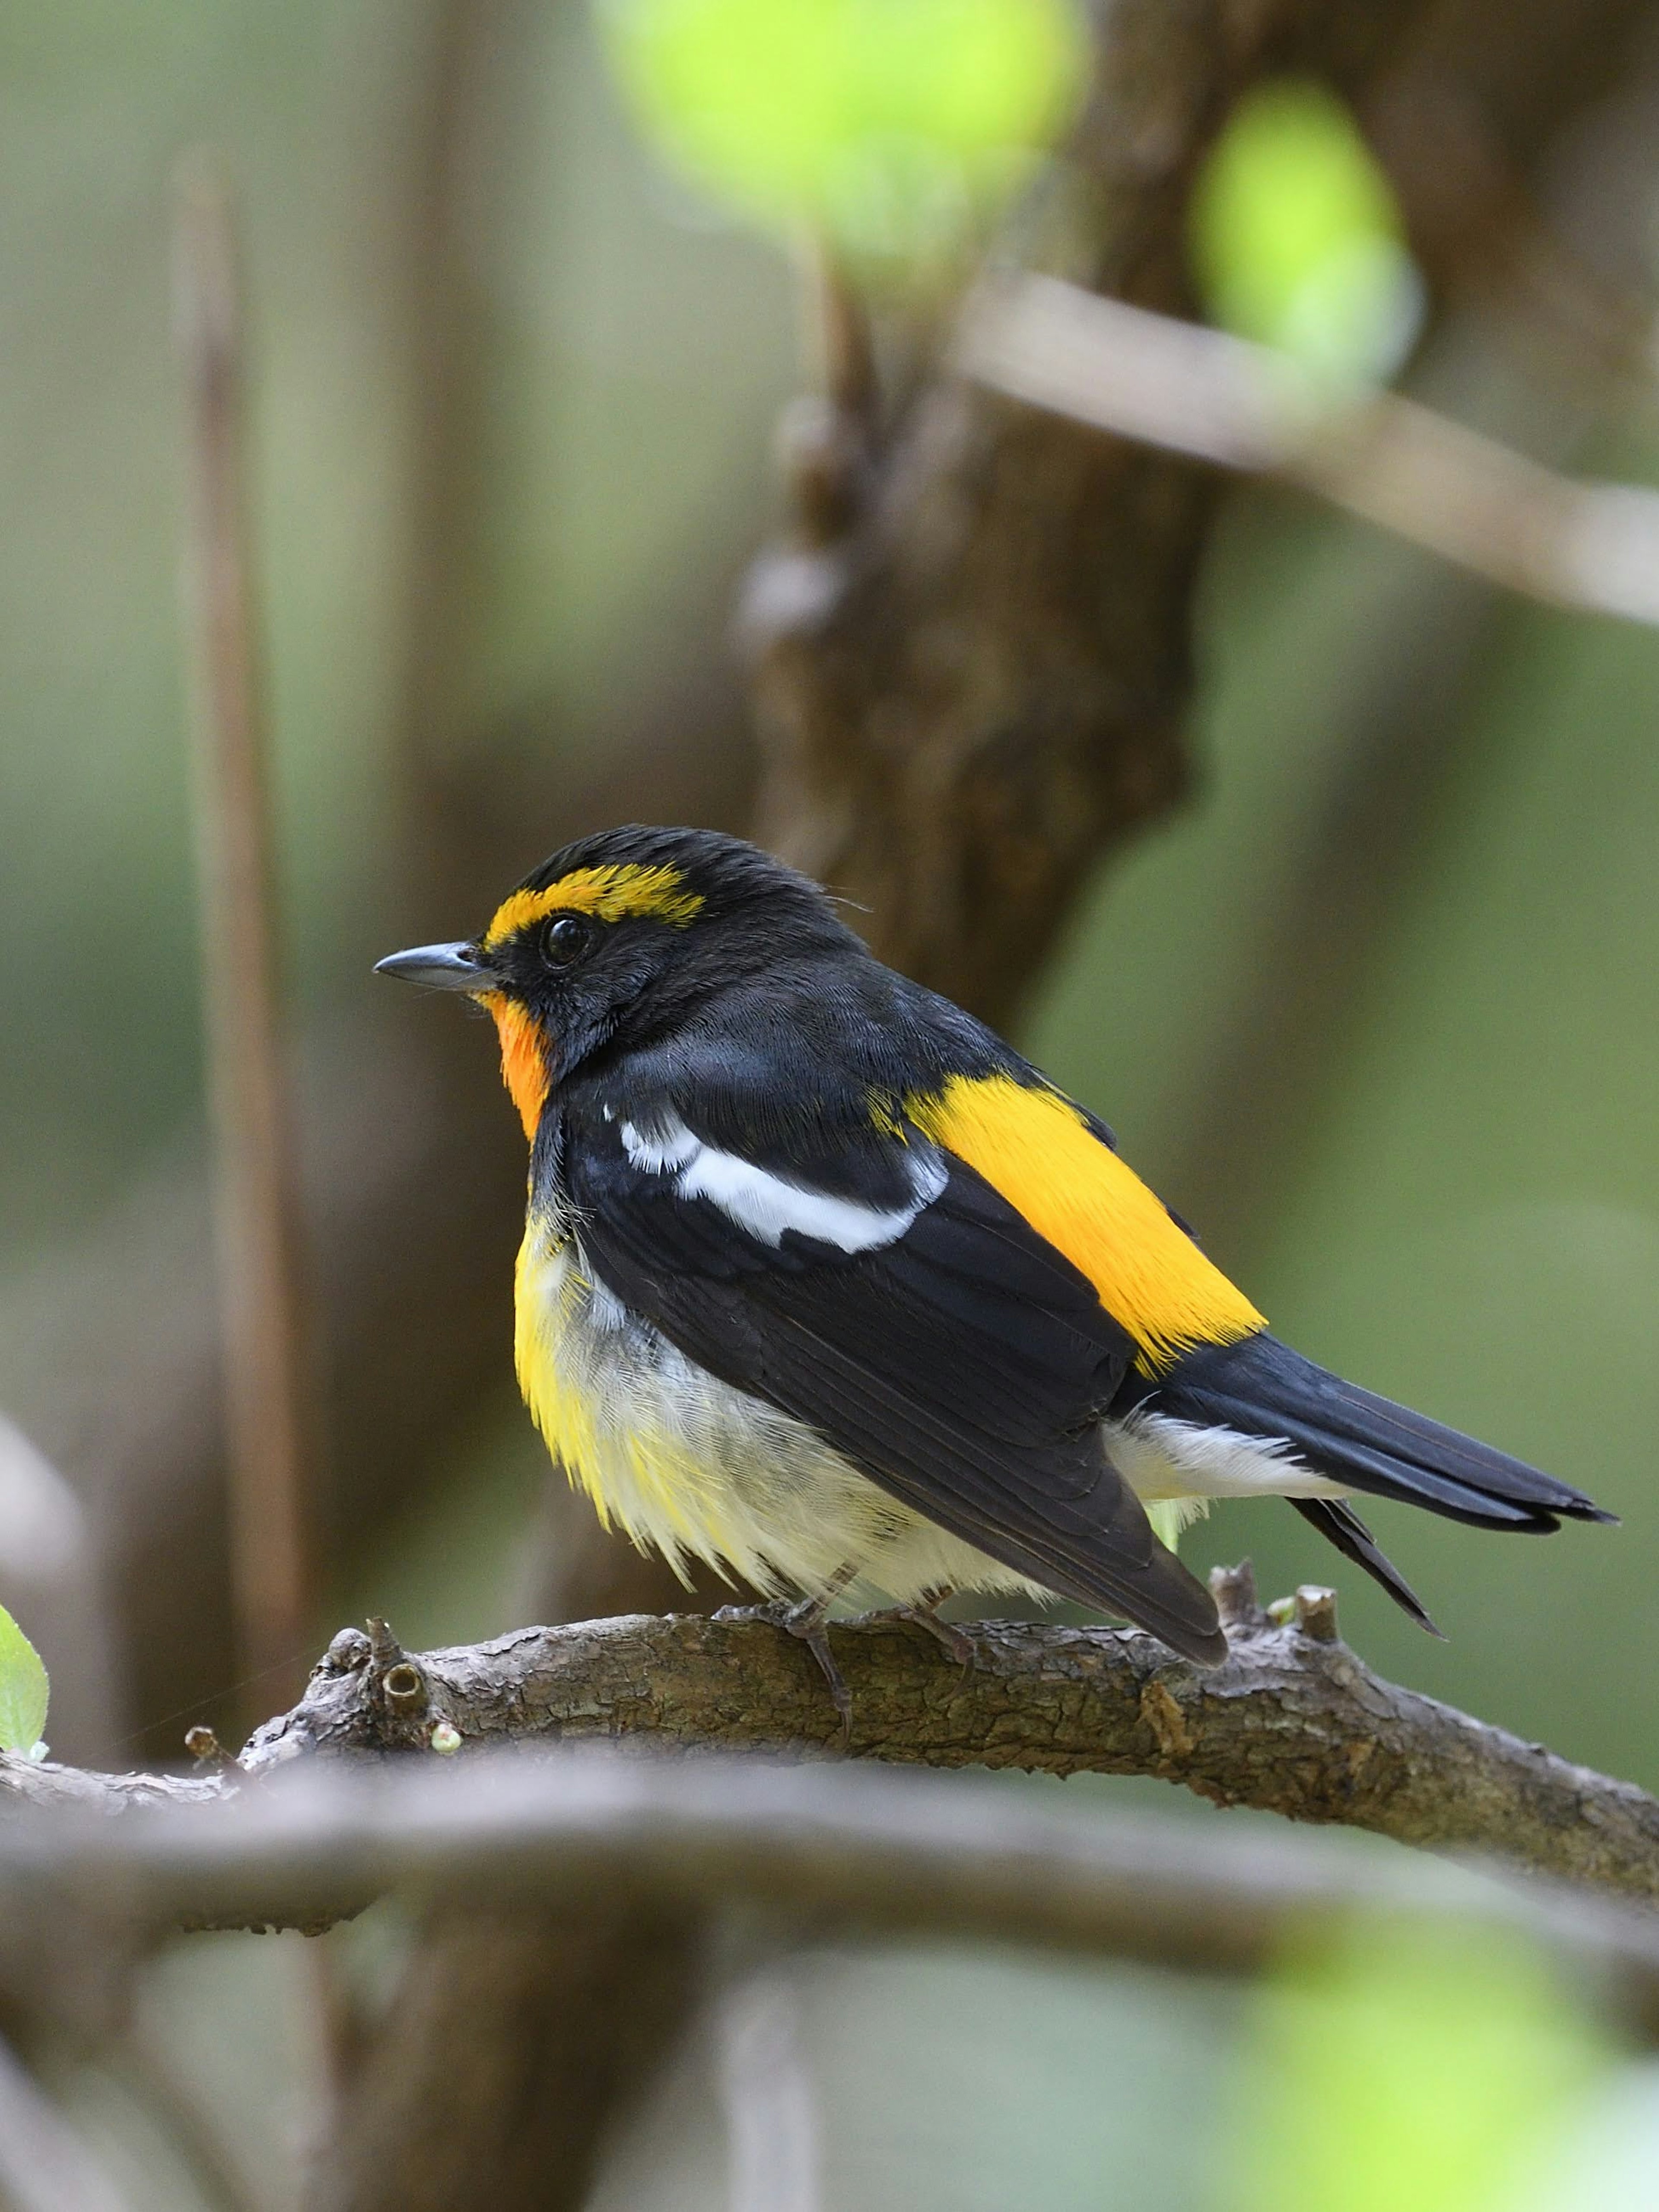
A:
(1036, 1149)
(612, 894)
(524, 1061)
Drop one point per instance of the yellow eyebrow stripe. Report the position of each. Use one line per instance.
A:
(1036, 1148)
(618, 893)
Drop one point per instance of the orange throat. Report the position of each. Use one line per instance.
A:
(524, 1061)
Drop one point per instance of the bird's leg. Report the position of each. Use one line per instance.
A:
(924, 1613)
(804, 1620)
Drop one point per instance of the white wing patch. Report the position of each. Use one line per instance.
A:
(765, 1204)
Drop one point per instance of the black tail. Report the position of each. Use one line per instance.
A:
(1263, 1388)
(1337, 1521)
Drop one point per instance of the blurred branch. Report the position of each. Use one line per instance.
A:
(1387, 460)
(43, 2165)
(1511, 131)
(767, 2092)
(268, 1395)
(1483, 236)
(1292, 1723)
(865, 1851)
(522, 2023)
(1557, 109)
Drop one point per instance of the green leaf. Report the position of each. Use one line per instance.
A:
(24, 1689)
(886, 125)
(1297, 240)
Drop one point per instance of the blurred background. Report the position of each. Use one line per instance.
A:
(1375, 1004)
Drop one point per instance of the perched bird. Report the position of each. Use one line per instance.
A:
(823, 1284)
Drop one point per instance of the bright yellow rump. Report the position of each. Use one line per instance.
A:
(1036, 1148)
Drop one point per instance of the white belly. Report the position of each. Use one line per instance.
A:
(688, 1465)
(691, 1468)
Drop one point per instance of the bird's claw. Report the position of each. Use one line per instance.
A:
(925, 1615)
(955, 1640)
(805, 1622)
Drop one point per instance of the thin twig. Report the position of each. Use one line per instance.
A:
(1594, 547)
(840, 334)
(826, 438)
(258, 1205)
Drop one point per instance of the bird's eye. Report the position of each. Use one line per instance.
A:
(566, 937)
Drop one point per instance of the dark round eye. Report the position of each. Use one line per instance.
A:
(566, 937)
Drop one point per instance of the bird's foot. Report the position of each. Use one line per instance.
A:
(805, 1619)
(924, 1613)
(806, 1622)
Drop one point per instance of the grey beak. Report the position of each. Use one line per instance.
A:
(445, 967)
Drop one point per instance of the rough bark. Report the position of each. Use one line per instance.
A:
(1293, 1722)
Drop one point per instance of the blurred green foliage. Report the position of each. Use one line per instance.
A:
(615, 435)
(887, 126)
(1297, 240)
(1406, 2066)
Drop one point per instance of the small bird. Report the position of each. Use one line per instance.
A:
(823, 1284)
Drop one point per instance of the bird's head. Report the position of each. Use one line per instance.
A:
(619, 939)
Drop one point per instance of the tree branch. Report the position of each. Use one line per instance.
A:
(1389, 460)
(845, 1846)
(1293, 1722)
(976, 689)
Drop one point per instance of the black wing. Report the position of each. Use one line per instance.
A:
(962, 1367)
